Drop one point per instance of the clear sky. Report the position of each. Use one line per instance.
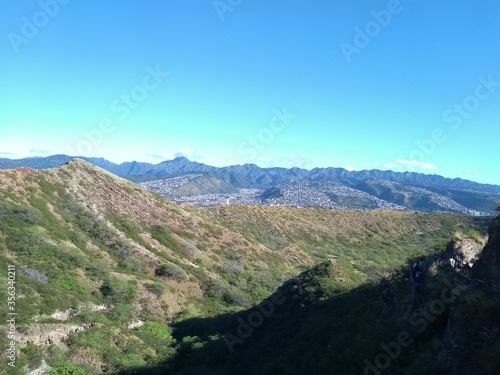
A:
(402, 85)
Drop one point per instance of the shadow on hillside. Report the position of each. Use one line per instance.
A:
(251, 340)
(371, 329)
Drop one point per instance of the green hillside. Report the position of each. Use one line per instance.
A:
(312, 325)
(135, 278)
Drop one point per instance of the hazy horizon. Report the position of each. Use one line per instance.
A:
(260, 166)
(390, 85)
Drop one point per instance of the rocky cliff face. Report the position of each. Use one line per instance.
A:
(487, 268)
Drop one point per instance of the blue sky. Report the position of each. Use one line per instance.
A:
(402, 85)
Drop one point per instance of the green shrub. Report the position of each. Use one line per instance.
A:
(190, 249)
(133, 265)
(26, 242)
(236, 297)
(54, 354)
(157, 329)
(234, 266)
(122, 249)
(28, 215)
(98, 270)
(66, 368)
(47, 187)
(171, 271)
(4, 212)
(163, 235)
(97, 339)
(216, 288)
(199, 262)
(46, 298)
(191, 342)
(128, 226)
(122, 313)
(94, 226)
(130, 361)
(156, 288)
(33, 354)
(71, 283)
(119, 290)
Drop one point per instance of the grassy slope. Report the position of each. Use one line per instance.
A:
(81, 237)
(369, 240)
(319, 330)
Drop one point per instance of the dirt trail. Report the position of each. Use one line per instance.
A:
(38, 335)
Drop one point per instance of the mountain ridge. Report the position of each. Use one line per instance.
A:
(183, 181)
(184, 165)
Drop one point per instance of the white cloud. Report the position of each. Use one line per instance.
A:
(401, 163)
(265, 161)
(160, 156)
(298, 161)
(186, 152)
(428, 166)
(35, 151)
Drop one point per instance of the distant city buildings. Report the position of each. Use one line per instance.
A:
(324, 194)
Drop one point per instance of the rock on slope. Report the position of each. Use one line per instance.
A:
(487, 268)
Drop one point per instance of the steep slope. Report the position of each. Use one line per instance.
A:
(93, 250)
(317, 323)
(487, 268)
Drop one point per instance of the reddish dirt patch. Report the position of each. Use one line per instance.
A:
(27, 171)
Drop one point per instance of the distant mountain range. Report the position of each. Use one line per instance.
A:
(182, 180)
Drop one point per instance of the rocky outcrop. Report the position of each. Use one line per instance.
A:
(42, 369)
(487, 268)
(467, 248)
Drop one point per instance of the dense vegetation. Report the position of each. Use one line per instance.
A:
(448, 326)
(156, 284)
